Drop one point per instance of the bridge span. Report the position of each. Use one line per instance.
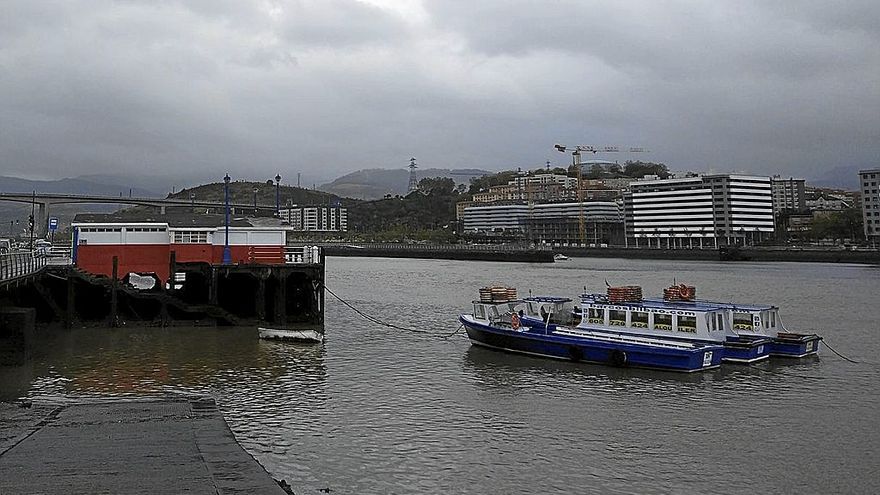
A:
(44, 201)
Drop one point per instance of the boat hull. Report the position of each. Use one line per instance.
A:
(795, 345)
(291, 335)
(549, 345)
(746, 351)
(736, 350)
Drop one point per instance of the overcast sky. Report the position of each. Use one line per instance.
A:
(325, 87)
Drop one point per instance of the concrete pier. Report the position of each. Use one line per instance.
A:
(161, 446)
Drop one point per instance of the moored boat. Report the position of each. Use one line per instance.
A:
(290, 334)
(677, 316)
(753, 322)
(559, 257)
(505, 325)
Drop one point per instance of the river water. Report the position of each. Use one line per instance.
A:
(379, 410)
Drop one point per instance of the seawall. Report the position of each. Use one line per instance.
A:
(508, 253)
(448, 252)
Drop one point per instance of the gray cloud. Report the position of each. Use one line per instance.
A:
(325, 87)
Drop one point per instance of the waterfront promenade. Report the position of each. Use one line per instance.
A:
(161, 446)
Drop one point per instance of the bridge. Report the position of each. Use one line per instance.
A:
(44, 201)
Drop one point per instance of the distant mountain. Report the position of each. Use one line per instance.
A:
(377, 182)
(13, 216)
(843, 177)
(73, 186)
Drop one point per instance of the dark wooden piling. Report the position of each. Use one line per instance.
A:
(16, 334)
(114, 300)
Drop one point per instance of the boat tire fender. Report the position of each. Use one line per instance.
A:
(575, 353)
(617, 357)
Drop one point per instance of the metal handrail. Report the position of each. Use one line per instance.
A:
(14, 266)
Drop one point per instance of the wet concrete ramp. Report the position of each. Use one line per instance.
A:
(178, 446)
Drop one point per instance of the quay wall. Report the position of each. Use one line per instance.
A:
(509, 253)
(450, 252)
(741, 254)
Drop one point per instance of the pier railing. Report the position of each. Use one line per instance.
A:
(14, 266)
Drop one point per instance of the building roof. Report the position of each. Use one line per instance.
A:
(176, 220)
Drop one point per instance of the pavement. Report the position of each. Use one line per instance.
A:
(160, 446)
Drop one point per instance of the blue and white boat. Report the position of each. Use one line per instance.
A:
(758, 322)
(515, 326)
(679, 320)
(675, 320)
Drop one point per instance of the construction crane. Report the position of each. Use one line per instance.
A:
(576, 162)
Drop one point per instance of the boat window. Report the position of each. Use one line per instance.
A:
(639, 319)
(662, 322)
(742, 321)
(687, 324)
(720, 321)
(479, 311)
(710, 322)
(773, 319)
(617, 317)
(596, 316)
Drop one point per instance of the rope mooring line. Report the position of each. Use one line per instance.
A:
(383, 323)
(839, 354)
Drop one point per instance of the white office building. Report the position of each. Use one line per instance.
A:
(699, 211)
(869, 182)
(549, 223)
(316, 218)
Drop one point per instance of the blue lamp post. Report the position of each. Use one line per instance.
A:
(227, 255)
(278, 195)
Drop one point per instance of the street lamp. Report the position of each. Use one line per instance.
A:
(192, 200)
(227, 255)
(278, 195)
(255, 200)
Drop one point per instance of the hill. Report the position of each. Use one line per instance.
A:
(243, 192)
(77, 185)
(377, 182)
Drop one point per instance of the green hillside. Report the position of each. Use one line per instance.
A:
(243, 192)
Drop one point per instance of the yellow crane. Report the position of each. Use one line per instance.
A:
(576, 162)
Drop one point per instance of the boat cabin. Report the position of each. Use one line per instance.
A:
(755, 320)
(685, 320)
(499, 313)
(557, 309)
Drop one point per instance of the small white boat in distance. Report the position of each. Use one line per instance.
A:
(559, 257)
(290, 334)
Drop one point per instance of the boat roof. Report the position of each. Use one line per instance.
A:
(550, 299)
(696, 305)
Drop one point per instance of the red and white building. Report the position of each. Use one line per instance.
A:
(145, 245)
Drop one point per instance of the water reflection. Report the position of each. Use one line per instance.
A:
(154, 361)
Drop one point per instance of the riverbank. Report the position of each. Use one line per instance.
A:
(161, 446)
(463, 252)
(516, 253)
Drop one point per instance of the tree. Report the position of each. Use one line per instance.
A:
(442, 186)
(637, 169)
(839, 225)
